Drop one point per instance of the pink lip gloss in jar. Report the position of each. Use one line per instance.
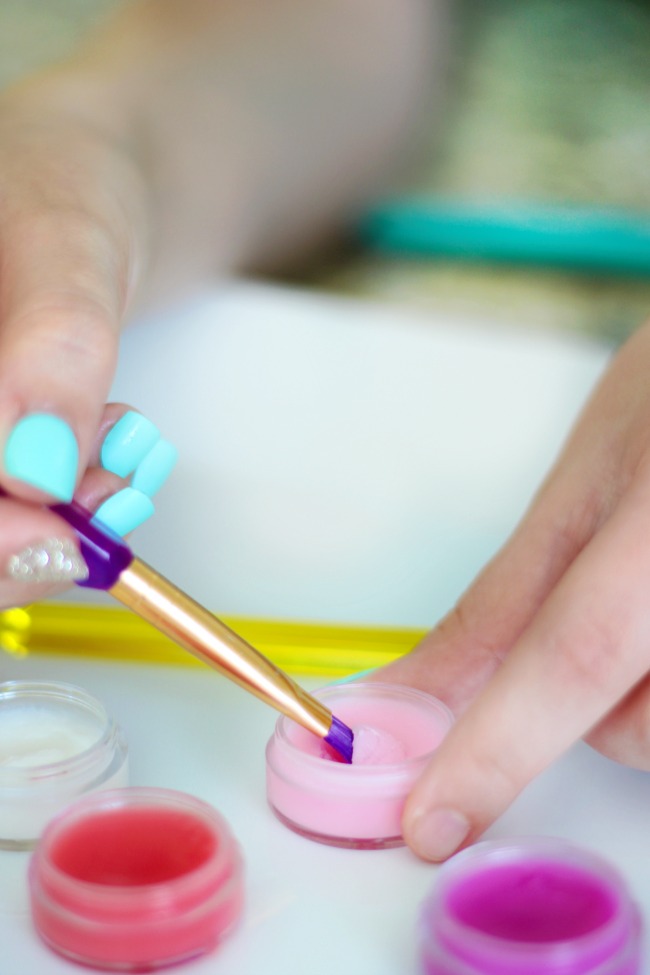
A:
(136, 879)
(539, 907)
(396, 729)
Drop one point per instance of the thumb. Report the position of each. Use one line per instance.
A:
(581, 655)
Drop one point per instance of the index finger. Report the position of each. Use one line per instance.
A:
(67, 250)
(585, 649)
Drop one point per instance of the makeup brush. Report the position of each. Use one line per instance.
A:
(115, 569)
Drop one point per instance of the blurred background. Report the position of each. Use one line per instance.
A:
(549, 103)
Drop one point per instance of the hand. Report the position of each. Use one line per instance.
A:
(552, 641)
(168, 149)
(72, 236)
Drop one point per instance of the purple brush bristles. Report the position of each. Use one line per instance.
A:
(341, 739)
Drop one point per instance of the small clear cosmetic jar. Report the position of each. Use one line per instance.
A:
(539, 907)
(136, 879)
(57, 742)
(396, 729)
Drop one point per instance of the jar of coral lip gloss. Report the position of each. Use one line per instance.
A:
(57, 742)
(135, 880)
(360, 805)
(539, 907)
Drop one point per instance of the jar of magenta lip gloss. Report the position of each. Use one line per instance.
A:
(135, 880)
(57, 742)
(360, 805)
(539, 907)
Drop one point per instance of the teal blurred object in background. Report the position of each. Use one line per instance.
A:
(547, 102)
(608, 240)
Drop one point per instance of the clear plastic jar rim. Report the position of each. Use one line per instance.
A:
(344, 771)
(439, 927)
(18, 778)
(213, 878)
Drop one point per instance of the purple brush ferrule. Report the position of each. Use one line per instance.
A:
(104, 552)
(341, 738)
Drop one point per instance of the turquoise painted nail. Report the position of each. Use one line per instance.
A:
(356, 676)
(128, 443)
(152, 472)
(124, 511)
(42, 450)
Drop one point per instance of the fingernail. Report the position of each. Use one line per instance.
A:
(53, 560)
(42, 451)
(152, 472)
(127, 443)
(124, 511)
(351, 677)
(437, 834)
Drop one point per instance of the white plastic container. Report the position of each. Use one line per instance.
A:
(57, 742)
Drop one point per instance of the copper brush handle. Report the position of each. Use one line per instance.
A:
(189, 624)
(113, 568)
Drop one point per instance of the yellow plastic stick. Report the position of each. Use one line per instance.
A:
(312, 649)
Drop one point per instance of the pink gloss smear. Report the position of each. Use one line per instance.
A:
(359, 805)
(136, 879)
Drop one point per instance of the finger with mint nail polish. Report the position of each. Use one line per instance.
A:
(118, 504)
(154, 469)
(129, 446)
(125, 511)
(41, 450)
(128, 443)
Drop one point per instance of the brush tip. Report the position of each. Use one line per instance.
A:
(341, 739)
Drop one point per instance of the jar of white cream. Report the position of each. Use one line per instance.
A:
(57, 742)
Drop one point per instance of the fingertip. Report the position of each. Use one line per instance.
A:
(127, 443)
(154, 469)
(41, 451)
(435, 834)
(125, 511)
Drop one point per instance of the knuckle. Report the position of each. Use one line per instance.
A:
(468, 626)
(67, 326)
(90, 251)
(82, 232)
(586, 654)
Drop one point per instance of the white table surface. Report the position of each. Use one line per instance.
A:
(338, 462)
(311, 909)
(343, 461)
